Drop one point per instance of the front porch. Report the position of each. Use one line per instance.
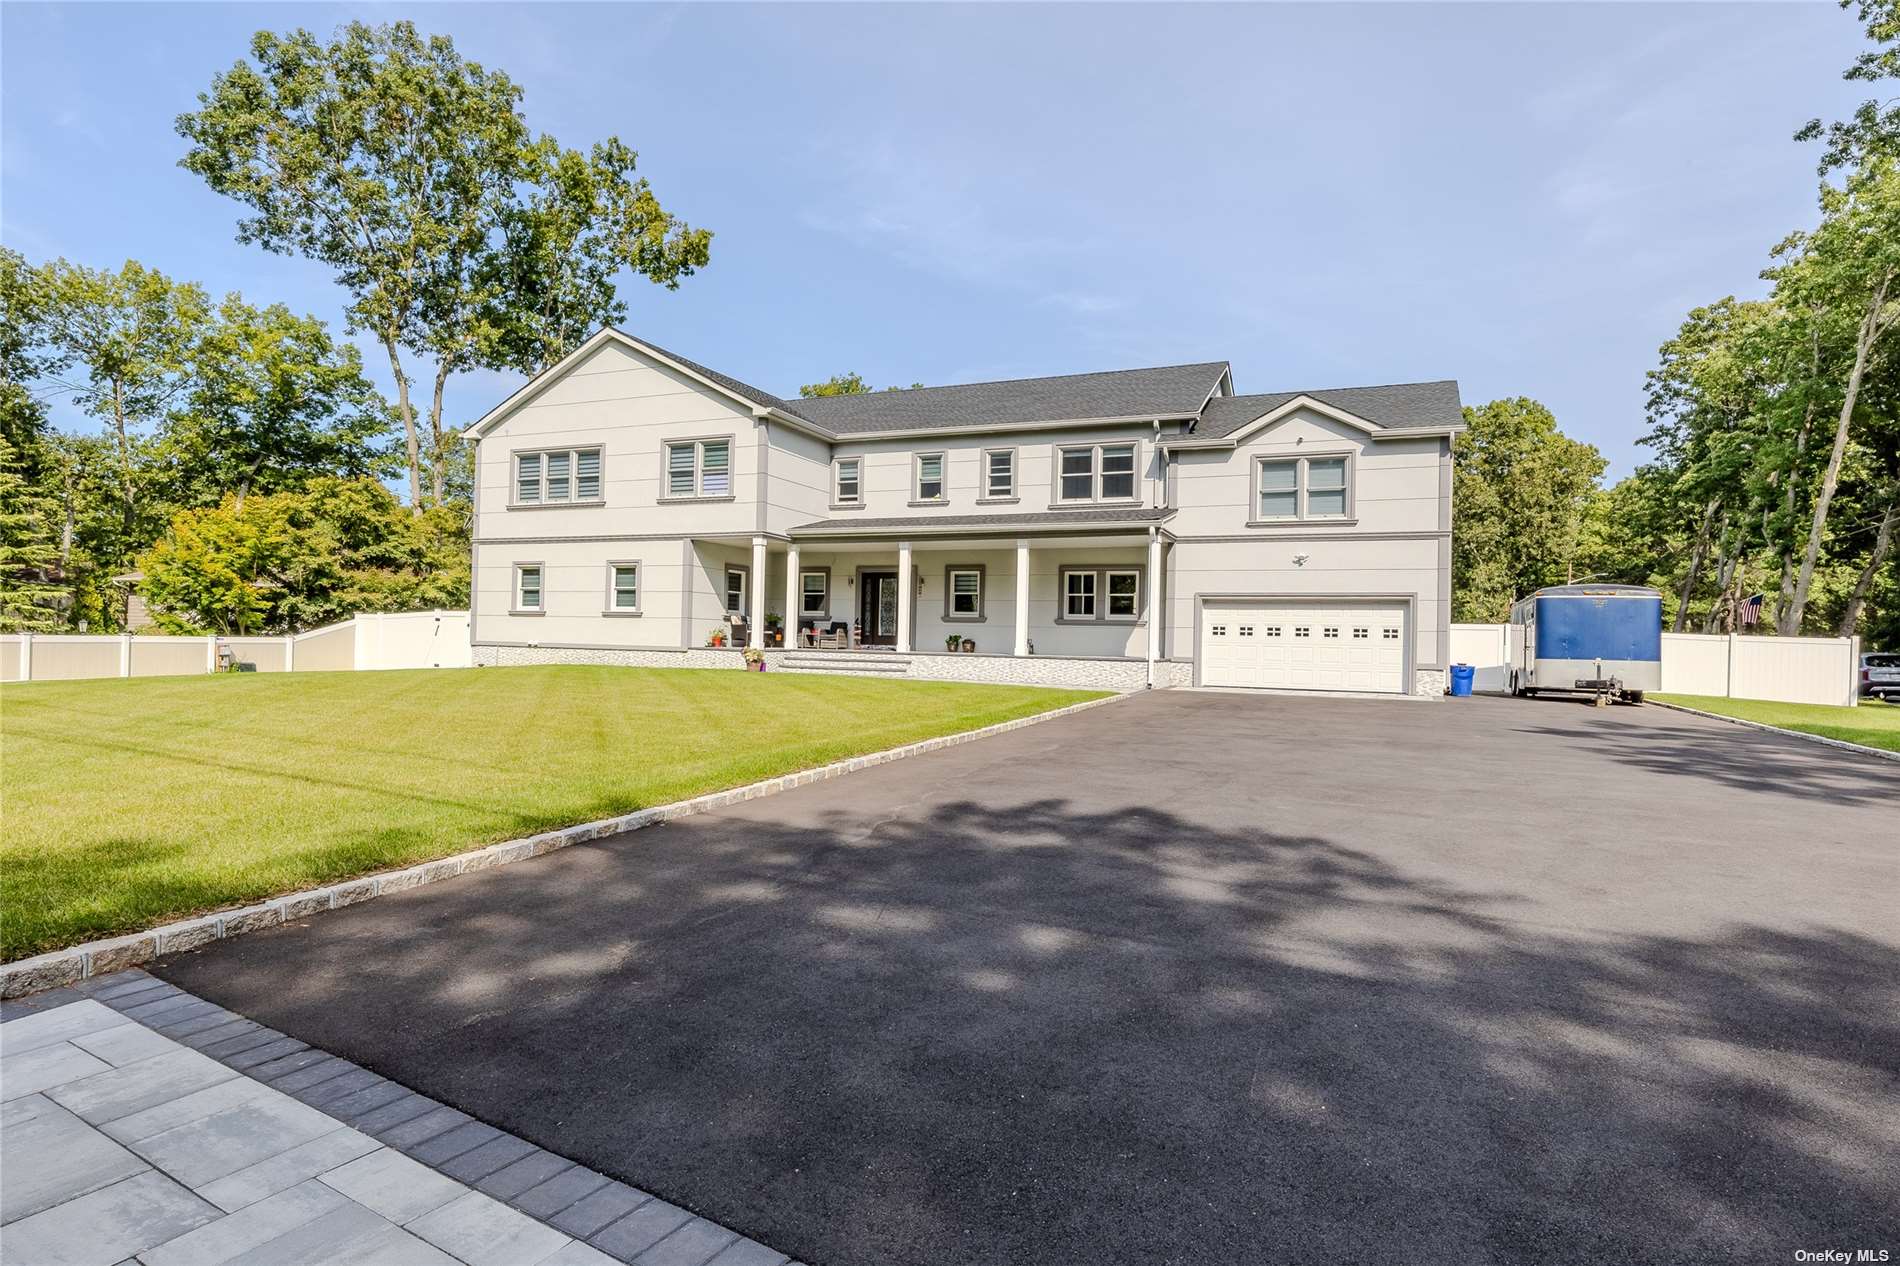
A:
(857, 603)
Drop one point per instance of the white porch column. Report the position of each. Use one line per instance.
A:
(793, 602)
(755, 636)
(1022, 596)
(906, 594)
(1152, 589)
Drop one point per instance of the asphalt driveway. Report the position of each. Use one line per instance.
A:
(1192, 978)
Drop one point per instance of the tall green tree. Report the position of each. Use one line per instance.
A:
(119, 346)
(1849, 266)
(411, 171)
(1522, 490)
(836, 385)
(1874, 128)
(30, 601)
(272, 403)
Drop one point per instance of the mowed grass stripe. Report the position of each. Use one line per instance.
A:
(1871, 724)
(127, 803)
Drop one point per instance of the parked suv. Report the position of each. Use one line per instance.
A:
(1880, 675)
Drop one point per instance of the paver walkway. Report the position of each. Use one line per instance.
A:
(143, 1124)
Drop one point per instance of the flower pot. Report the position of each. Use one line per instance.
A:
(969, 646)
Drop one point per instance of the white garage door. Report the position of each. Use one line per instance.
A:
(1296, 646)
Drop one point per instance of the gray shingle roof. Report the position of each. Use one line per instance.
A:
(1120, 393)
(1048, 518)
(1399, 406)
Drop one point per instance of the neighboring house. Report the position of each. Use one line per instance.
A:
(1142, 526)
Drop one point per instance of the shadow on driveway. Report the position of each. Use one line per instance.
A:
(928, 1014)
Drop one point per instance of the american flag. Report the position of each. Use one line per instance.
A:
(1748, 612)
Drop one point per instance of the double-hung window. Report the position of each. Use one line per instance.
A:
(847, 483)
(814, 593)
(1099, 594)
(930, 477)
(1097, 472)
(623, 589)
(1078, 595)
(963, 592)
(528, 597)
(699, 468)
(1303, 488)
(736, 578)
(999, 474)
(561, 476)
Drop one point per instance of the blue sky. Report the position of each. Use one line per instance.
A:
(1525, 198)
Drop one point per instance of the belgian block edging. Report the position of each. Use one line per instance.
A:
(96, 958)
(1859, 748)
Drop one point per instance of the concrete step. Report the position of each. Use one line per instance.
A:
(869, 663)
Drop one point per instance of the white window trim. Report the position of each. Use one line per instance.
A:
(514, 594)
(568, 502)
(824, 613)
(744, 572)
(1299, 464)
(1095, 497)
(639, 587)
(917, 497)
(1062, 595)
(699, 492)
(950, 614)
(987, 495)
(1101, 572)
(1108, 616)
(837, 501)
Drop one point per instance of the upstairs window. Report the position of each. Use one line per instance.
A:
(847, 488)
(999, 473)
(1099, 472)
(930, 476)
(562, 476)
(699, 468)
(1304, 488)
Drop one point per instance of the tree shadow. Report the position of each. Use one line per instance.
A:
(1035, 1032)
(1730, 756)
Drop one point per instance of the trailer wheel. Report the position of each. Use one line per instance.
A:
(1634, 696)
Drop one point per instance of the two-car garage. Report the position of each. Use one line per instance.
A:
(1267, 643)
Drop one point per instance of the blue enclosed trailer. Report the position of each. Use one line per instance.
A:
(1601, 640)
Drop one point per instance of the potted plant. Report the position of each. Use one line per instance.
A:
(952, 642)
(969, 646)
(718, 637)
(775, 629)
(754, 659)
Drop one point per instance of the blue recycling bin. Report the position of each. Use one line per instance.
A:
(1461, 677)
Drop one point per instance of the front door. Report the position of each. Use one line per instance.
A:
(877, 608)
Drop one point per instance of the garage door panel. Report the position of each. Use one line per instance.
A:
(1291, 645)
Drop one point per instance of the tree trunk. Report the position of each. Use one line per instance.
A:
(437, 448)
(408, 413)
(1784, 598)
(1883, 542)
(1870, 328)
(1696, 559)
(125, 456)
(1721, 615)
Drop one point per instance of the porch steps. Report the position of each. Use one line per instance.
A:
(854, 663)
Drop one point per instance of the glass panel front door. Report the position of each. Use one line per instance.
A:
(877, 609)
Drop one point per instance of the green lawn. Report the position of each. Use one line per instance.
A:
(1872, 724)
(127, 803)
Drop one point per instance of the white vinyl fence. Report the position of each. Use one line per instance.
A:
(417, 639)
(1780, 669)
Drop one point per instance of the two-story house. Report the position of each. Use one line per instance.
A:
(1135, 527)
